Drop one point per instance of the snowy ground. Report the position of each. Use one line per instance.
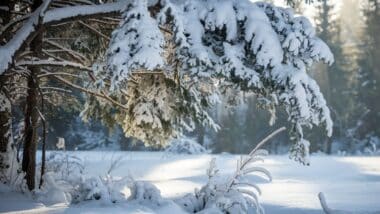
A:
(349, 183)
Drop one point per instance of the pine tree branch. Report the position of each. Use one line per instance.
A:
(46, 74)
(13, 22)
(87, 91)
(57, 89)
(54, 63)
(10, 50)
(76, 55)
(104, 22)
(95, 30)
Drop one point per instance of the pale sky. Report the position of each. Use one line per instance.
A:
(309, 9)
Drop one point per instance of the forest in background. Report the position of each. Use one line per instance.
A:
(350, 87)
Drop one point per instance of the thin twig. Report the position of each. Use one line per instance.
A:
(95, 30)
(263, 141)
(251, 154)
(54, 63)
(58, 73)
(57, 89)
(101, 95)
(3, 29)
(76, 55)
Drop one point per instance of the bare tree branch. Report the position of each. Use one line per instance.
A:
(13, 22)
(46, 74)
(54, 63)
(101, 95)
(95, 30)
(76, 55)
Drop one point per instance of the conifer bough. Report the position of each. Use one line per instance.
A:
(186, 50)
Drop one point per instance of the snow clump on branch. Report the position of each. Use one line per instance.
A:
(187, 48)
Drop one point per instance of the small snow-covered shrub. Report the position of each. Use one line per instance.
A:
(145, 192)
(64, 166)
(373, 143)
(106, 189)
(52, 192)
(66, 179)
(220, 195)
(230, 194)
(186, 146)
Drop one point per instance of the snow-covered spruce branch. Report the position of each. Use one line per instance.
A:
(43, 17)
(25, 33)
(81, 12)
(257, 47)
(64, 63)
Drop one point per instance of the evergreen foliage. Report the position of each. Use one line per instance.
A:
(255, 46)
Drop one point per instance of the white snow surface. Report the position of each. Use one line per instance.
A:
(82, 10)
(349, 183)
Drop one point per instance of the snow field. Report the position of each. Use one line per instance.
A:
(349, 183)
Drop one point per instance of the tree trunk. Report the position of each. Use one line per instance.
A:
(31, 112)
(201, 135)
(328, 145)
(7, 149)
(4, 121)
(5, 16)
(31, 123)
(6, 145)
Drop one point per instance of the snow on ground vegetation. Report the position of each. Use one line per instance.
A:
(349, 183)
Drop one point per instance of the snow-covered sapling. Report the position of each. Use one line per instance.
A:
(145, 192)
(236, 194)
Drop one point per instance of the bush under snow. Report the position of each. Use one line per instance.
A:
(186, 146)
(65, 182)
(230, 194)
(145, 192)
